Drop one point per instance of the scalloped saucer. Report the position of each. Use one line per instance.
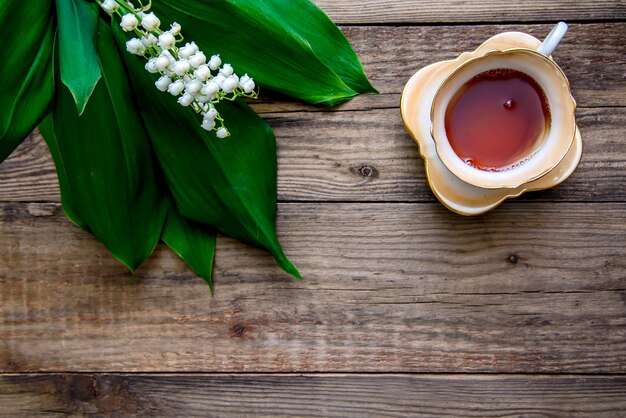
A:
(452, 192)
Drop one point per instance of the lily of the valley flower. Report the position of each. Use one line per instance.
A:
(129, 22)
(185, 72)
(110, 6)
(166, 40)
(135, 46)
(150, 22)
(175, 29)
(222, 132)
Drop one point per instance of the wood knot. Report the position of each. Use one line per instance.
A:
(537, 321)
(81, 388)
(365, 171)
(13, 365)
(513, 259)
(238, 330)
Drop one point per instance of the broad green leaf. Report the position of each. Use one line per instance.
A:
(26, 72)
(229, 184)
(193, 242)
(105, 165)
(256, 44)
(307, 22)
(70, 201)
(80, 69)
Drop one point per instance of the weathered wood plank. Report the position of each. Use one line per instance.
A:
(431, 11)
(312, 395)
(362, 156)
(532, 287)
(28, 174)
(368, 156)
(591, 55)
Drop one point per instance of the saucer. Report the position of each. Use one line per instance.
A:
(452, 192)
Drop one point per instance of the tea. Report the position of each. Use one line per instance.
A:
(497, 119)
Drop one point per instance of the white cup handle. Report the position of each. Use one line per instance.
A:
(552, 40)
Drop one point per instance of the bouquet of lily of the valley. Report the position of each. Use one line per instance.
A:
(143, 107)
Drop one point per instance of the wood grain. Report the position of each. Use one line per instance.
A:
(312, 395)
(531, 287)
(368, 156)
(469, 11)
(361, 156)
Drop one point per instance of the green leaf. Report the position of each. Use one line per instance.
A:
(229, 184)
(26, 70)
(105, 165)
(80, 69)
(254, 42)
(193, 242)
(70, 201)
(307, 22)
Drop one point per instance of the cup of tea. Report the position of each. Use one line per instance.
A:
(505, 118)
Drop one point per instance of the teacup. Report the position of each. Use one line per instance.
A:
(545, 153)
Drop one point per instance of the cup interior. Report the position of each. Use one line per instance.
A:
(546, 153)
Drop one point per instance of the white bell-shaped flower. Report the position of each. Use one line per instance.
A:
(208, 124)
(166, 40)
(210, 88)
(197, 59)
(194, 86)
(135, 46)
(110, 6)
(222, 133)
(244, 79)
(150, 22)
(163, 83)
(230, 84)
(181, 67)
(176, 88)
(203, 99)
(129, 22)
(202, 72)
(151, 66)
(162, 62)
(219, 79)
(211, 113)
(215, 62)
(248, 86)
(149, 40)
(186, 99)
(171, 58)
(188, 50)
(175, 29)
(227, 70)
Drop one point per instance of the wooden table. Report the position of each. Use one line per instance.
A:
(405, 307)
